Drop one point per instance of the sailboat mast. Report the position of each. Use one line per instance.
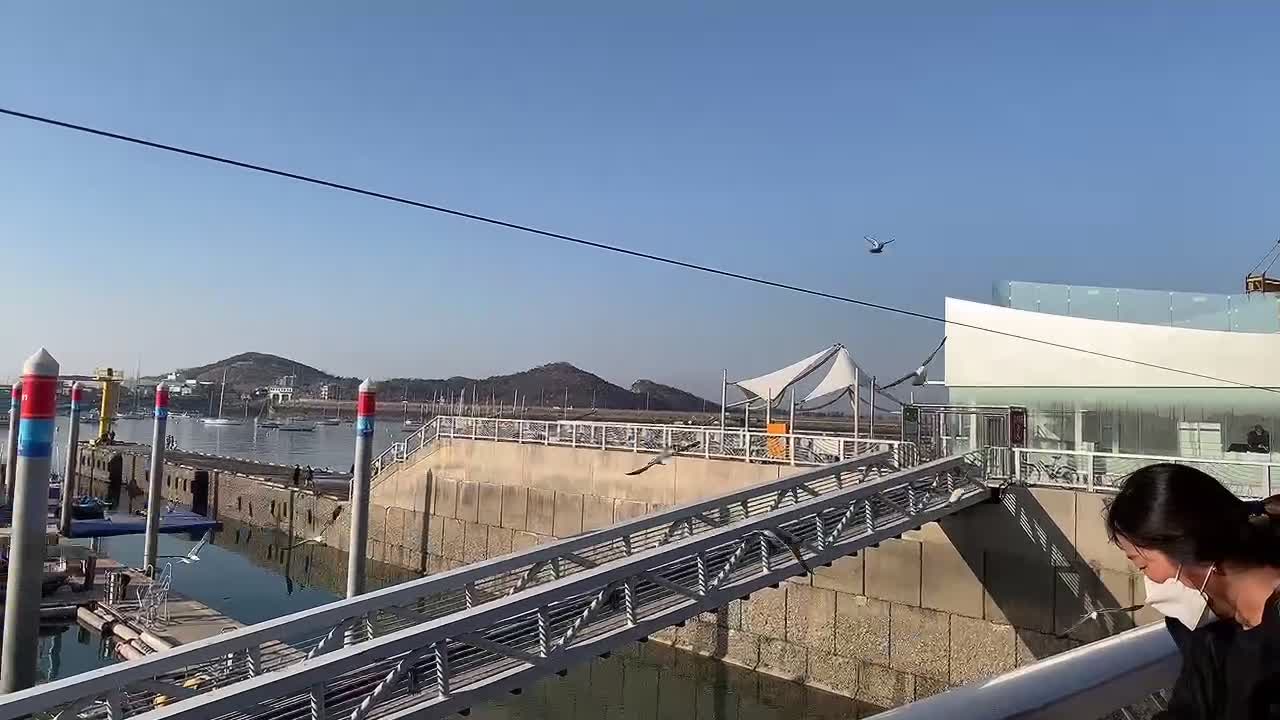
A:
(222, 397)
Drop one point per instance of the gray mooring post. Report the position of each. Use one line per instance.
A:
(155, 488)
(30, 510)
(366, 408)
(69, 470)
(11, 448)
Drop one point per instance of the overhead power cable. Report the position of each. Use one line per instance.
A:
(605, 246)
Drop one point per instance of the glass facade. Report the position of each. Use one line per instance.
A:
(1236, 424)
(1255, 313)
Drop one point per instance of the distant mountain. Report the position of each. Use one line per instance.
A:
(545, 385)
(251, 370)
(665, 397)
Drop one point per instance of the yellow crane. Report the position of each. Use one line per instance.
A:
(109, 381)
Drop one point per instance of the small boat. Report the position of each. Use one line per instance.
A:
(88, 508)
(268, 424)
(295, 425)
(330, 422)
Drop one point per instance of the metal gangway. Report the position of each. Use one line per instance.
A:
(280, 646)
(447, 642)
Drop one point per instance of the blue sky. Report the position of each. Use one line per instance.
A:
(1092, 143)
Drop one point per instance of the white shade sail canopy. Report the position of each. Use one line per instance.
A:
(774, 385)
(843, 375)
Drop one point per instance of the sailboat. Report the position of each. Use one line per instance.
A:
(221, 399)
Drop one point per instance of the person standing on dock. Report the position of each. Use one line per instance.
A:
(311, 477)
(297, 473)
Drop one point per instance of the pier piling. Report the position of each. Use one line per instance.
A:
(366, 408)
(30, 490)
(11, 449)
(154, 489)
(69, 471)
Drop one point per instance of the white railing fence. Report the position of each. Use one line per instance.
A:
(683, 440)
(1103, 471)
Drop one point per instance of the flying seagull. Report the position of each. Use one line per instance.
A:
(317, 539)
(920, 374)
(662, 457)
(877, 246)
(784, 539)
(1095, 614)
(194, 555)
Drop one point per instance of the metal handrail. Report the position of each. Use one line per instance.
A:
(1147, 458)
(283, 642)
(1102, 471)
(1081, 684)
(450, 663)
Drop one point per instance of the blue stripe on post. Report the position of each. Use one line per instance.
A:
(162, 412)
(35, 438)
(364, 426)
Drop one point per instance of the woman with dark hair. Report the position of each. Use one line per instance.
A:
(1212, 564)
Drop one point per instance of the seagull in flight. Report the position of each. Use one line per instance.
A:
(1095, 614)
(194, 555)
(877, 246)
(920, 374)
(784, 539)
(662, 457)
(317, 539)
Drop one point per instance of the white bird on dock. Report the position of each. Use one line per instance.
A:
(194, 555)
(877, 246)
(662, 457)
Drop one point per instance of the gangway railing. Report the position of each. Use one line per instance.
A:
(276, 645)
(435, 667)
(1102, 679)
(685, 440)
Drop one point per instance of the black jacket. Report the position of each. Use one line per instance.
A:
(1228, 673)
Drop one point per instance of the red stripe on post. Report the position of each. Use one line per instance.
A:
(367, 404)
(162, 397)
(76, 392)
(39, 397)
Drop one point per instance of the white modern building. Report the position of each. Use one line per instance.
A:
(1166, 373)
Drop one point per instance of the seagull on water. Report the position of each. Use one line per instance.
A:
(877, 246)
(921, 374)
(666, 454)
(194, 555)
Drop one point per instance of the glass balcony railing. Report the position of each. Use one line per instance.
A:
(1256, 313)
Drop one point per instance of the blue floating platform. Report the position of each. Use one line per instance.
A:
(115, 525)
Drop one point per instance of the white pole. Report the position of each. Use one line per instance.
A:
(871, 432)
(791, 422)
(724, 397)
(768, 409)
(857, 400)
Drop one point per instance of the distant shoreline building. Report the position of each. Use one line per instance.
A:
(1224, 406)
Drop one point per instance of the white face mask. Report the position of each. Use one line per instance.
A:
(1172, 598)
